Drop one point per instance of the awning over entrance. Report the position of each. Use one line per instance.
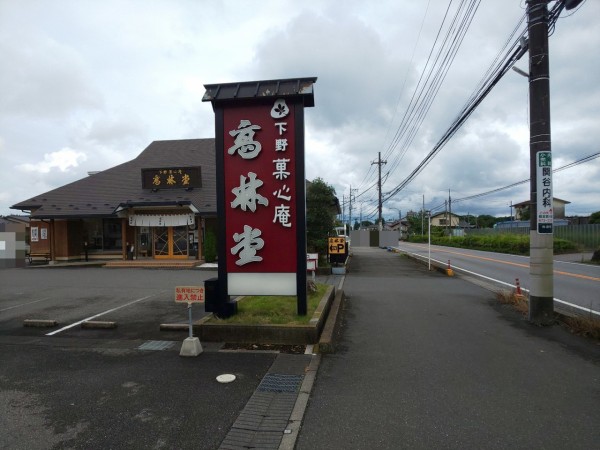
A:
(161, 220)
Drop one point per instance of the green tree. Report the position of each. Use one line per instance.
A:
(210, 247)
(320, 215)
(595, 217)
(486, 221)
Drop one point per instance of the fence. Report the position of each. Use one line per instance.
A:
(585, 236)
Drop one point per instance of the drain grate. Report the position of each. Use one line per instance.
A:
(156, 345)
(273, 382)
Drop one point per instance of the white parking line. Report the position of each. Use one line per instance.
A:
(101, 314)
(24, 304)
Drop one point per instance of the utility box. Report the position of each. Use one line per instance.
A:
(211, 295)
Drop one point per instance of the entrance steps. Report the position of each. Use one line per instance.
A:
(155, 263)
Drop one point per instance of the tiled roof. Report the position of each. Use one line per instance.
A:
(289, 87)
(102, 193)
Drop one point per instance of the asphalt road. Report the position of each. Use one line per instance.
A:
(428, 361)
(574, 283)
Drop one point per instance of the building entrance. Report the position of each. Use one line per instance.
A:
(171, 242)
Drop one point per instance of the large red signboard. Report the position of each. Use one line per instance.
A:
(260, 188)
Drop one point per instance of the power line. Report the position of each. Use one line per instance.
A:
(517, 50)
(493, 191)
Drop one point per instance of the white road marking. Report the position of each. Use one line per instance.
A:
(572, 305)
(102, 314)
(24, 304)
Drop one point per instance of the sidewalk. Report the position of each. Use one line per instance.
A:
(430, 361)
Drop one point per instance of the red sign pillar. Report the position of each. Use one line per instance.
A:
(261, 199)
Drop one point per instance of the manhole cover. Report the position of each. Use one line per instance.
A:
(156, 345)
(273, 382)
(226, 378)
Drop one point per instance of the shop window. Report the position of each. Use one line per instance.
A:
(102, 234)
(112, 234)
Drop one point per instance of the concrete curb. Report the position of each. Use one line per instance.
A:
(39, 323)
(326, 342)
(174, 326)
(98, 325)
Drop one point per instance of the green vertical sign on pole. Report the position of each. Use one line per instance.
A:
(545, 213)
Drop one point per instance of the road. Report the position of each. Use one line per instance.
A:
(574, 283)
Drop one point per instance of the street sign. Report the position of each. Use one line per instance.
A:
(189, 294)
(545, 214)
(337, 245)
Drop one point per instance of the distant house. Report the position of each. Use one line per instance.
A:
(558, 206)
(445, 219)
(399, 225)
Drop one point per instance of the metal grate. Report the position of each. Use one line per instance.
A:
(156, 345)
(273, 382)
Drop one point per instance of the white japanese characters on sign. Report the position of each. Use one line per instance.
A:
(246, 195)
(545, 213)
(249, 242)
(260, 161)
(245, 145)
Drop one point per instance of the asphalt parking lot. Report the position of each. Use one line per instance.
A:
(138, 300)
(82, 388)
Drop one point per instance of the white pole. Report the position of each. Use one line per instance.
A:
(429, 237)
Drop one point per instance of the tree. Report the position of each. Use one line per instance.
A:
(595, 217)
(486, 221)
(320, 215)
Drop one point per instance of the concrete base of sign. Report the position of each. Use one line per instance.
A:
(191, 347)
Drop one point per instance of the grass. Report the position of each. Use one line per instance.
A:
(518, 302)
(587, 326)
(583, 326)
(516, 244)
(274, 310)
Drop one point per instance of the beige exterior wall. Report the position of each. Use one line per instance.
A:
(443, 220)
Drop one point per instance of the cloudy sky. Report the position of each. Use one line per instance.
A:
(86, 85)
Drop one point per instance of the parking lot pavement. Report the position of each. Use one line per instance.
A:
(68, 387)
(58, 392)
(96, 388)
(138, 300)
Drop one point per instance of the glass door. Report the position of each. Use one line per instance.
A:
(170, 242)
(161, 242)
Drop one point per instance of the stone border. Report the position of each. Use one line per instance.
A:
(268, 334)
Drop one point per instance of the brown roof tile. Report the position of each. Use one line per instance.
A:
(102, 193)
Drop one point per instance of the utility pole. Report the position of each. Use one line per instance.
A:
(351, 195)
(423, 216)
(446, 214)
(379, 163)
(450, 210)
(541, 298)
(344, 210)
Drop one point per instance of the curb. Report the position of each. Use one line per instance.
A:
(98, 325)
(39, 323)
(326, 342)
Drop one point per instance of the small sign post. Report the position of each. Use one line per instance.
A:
(190, 294)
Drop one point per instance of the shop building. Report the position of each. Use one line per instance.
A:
(156, 206)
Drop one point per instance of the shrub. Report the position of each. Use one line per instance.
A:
(210, 247)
